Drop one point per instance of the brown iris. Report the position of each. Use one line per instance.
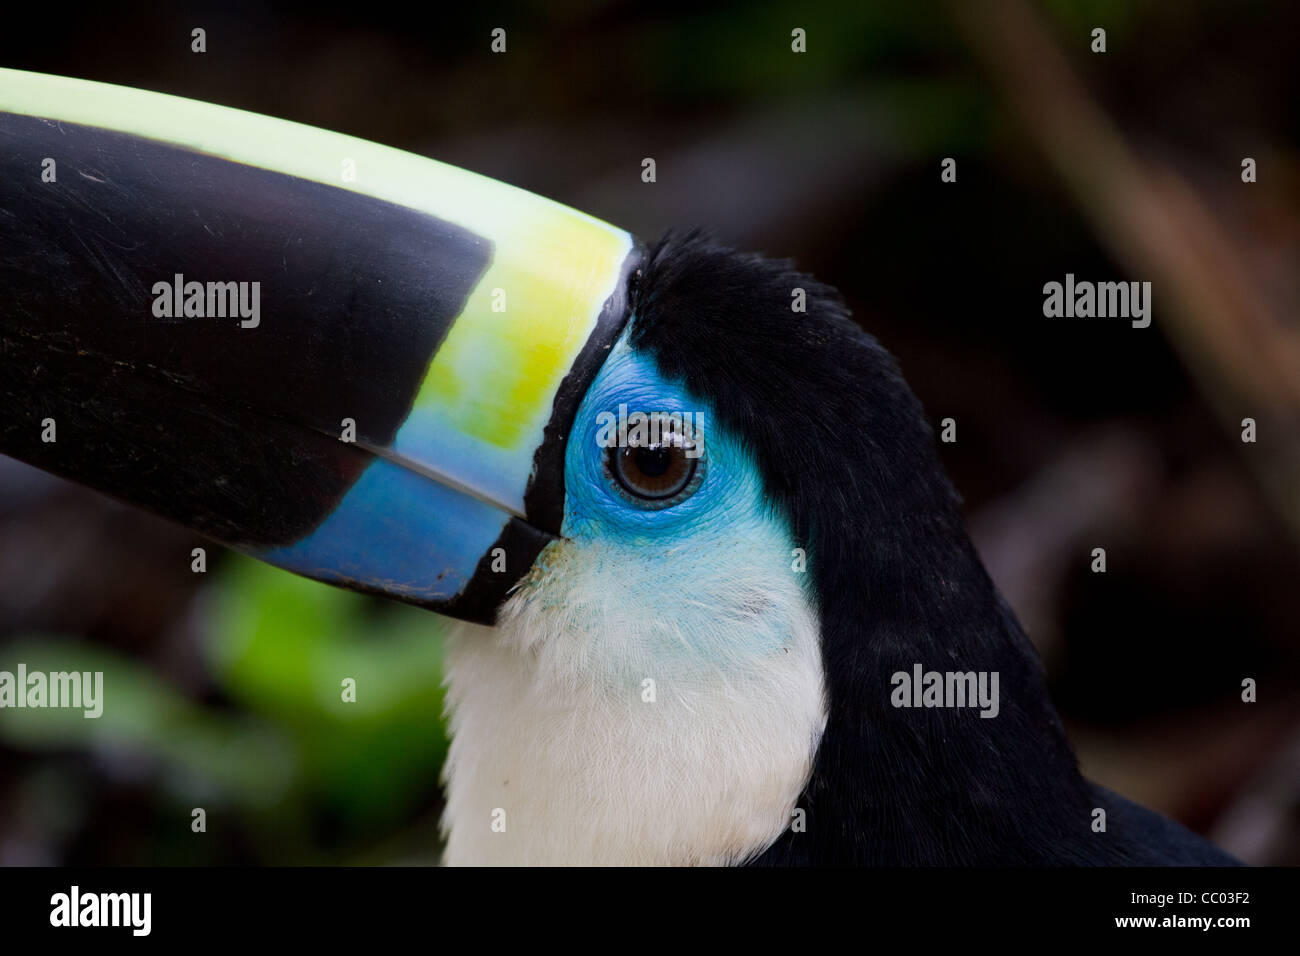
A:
(655, 471)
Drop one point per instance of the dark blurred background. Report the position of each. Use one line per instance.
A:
(1071, 434)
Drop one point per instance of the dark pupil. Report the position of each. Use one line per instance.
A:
(653, 462)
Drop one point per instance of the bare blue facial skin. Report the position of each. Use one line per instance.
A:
(695, 556)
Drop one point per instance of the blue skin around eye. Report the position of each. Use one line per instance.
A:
(595, 507)
(695, 553)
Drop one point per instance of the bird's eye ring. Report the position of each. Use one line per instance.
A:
(658, 470)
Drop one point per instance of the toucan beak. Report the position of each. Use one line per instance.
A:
(352, 362)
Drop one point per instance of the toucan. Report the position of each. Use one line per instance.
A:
(711, 581)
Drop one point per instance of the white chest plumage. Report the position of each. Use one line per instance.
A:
(573, 746)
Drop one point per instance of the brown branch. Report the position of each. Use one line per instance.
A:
(1235, 343)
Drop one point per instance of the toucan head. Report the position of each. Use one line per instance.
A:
(700, 506)
(391, 375)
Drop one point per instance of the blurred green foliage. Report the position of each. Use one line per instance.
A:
(291, 754)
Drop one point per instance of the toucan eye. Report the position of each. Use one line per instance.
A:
(656, 470)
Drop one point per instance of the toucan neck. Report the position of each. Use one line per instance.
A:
(919, 775)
